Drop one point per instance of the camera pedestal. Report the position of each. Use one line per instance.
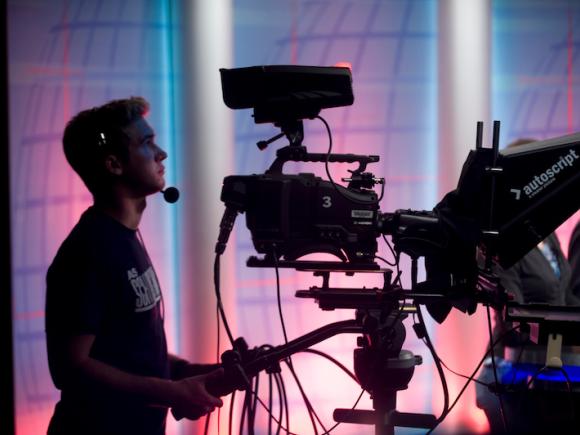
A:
(383, 368)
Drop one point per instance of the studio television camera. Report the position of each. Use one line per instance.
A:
(504, 204)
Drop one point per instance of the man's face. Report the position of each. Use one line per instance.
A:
(143, 172)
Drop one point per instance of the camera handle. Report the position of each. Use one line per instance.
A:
(296, 152)
(241, 364)
(381, 367)
(299, 153)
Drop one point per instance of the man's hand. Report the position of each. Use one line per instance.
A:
(181, 368)
(192, 400)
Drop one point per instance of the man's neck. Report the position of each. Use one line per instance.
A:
(127, 211)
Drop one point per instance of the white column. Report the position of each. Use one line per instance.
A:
(203, 44)
(464, 57)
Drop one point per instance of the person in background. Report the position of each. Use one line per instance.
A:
(574, 259)
(541, 276)
(106, 343)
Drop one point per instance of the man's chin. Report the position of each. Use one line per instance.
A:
(154, 190)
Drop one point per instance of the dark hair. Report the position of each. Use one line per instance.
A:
(93, 134)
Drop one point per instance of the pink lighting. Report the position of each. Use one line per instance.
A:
(570, 71)
(344, 65)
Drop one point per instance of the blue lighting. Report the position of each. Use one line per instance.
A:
(522, 373)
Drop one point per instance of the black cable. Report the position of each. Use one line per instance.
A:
(219, 416)
(568, 386)
(292, 433)
(570, 396)
(280, 403)
(312, 413)
(309, 409)
(535, 376)
(278, 297)
(397, 279)
(384, 260)
(269, 407)
(251, 410)
(396, 258)
(266, 347)
(399, 314)
(390, 246)
(248, 405)
(217, 315)
(382, 191)
(546, 368)
(334, 361)
(516, 363)
(468, 377)
(255, 388)
(437, 364)
(206, 427)
(568, 381)
(288, 432)
(231, 413)
(244, 410)
(326, 161)
(461, 375)
(270, 404)
(281, 315)
(471, 379)
(283, 324)
(343, 368)
(286, 409)
(219, 411)
(220, 311)
(515, 370)
(351, 409)
(216, 279)
(493, 343)
(494, 367)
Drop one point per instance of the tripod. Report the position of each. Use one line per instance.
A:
(383, 369)
(381, 366)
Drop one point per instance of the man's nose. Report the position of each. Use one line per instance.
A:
(160, 154)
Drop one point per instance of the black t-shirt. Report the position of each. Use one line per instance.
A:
(102, 283)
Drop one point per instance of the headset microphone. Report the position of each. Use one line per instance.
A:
(170, 195)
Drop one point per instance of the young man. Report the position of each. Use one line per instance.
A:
(104, 309)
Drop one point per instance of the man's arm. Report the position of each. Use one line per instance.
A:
(181, 368)
(74, 367)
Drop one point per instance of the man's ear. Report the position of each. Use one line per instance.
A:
(113, 165)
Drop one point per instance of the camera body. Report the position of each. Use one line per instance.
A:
(504, 203)
(292, 215)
